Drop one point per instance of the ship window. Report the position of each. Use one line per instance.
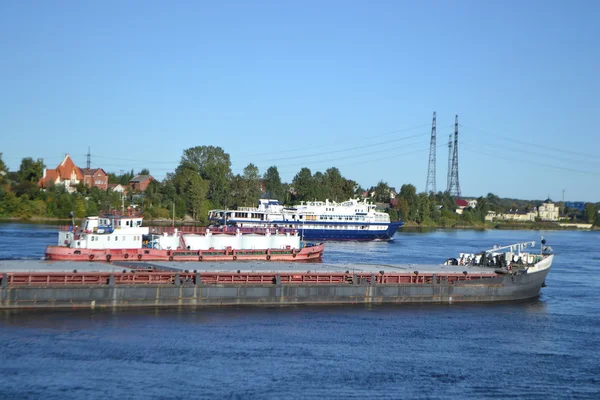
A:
(123, 238)
(108, 238)
(92, 238)
(116, 238)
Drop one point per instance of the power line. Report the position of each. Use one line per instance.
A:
(556, 149)
(477, 151)
(333, 144)
(346, 149)
(355, 156)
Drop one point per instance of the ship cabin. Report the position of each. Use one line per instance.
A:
(108, 223)
(106, 232)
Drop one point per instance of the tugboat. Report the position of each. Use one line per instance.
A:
(121, 238)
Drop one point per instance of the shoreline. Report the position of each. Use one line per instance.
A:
(408, 226)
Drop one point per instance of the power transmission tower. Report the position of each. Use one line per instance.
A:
(449, 162)
(454, 187)
(89, 159)
(430, 185)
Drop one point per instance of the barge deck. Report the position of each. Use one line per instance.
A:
(41, 284)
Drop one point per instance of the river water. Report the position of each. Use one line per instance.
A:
(539, 349)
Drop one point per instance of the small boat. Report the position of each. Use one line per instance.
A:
(123, 238)
(315, 220)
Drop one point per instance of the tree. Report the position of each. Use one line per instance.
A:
(403, 208)
(197, 203)
(252, 181)
(424, 208)
(144, 171)
(319, 187)
(335, 185)
(30, 170)
(590, 213)
(408, 192)
(214, 165)
(273, 187)
(382, 192)
(3, 169)
(303, 184)
(481, 209)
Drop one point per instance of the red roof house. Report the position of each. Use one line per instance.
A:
(66, 173)
(461, 203)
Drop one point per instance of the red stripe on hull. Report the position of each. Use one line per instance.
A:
(61, 253)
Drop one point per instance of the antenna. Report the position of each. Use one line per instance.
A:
(454, 187)
(430, 185)
(89, 159)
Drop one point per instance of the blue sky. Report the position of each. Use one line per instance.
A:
(349, 84)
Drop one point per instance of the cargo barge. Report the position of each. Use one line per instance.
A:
(123, 238)
(499, 274)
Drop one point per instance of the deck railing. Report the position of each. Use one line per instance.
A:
(235, 278)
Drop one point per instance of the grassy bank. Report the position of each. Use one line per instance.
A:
(537, 226)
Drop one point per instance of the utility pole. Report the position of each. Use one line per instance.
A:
(454, 188)
(562, 208)
(89, 159)
(430, 185)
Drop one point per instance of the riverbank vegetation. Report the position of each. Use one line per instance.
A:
(204, 180)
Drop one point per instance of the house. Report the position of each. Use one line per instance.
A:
(548, 211)
(66, 174)
(117, 187)
(95, 177)
(461, 204)
(140, 182)
(371, 193)
(516, 215)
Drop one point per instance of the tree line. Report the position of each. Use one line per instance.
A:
(203, 180)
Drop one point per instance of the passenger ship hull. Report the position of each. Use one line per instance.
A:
(350, 234)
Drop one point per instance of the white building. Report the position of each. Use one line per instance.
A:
(548, 211)
(511, 216)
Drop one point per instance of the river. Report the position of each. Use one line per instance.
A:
(539, 349)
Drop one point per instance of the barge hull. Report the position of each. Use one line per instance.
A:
(109, 295)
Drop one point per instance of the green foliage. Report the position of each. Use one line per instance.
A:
(30, 170)
(382, 192)
(304, 187)
(204, 180)
(590, 213)
(274, 189)
(408, 195)
(3, 170)
(214, 165)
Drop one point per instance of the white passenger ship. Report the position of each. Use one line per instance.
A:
(315, 220)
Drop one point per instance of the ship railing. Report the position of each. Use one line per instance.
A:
(513, 248)
(287, 278)
(232, 230)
